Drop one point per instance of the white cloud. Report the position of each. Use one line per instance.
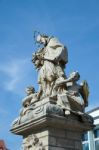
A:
(14, 72)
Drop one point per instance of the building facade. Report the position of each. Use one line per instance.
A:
(91, 138)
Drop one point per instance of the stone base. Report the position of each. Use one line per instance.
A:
(53, 132)
(46, 127)
(60, 139)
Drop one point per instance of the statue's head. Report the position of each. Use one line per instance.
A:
(30, 90)
(75, 75)
(42, 39)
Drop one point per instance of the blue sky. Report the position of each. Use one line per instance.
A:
(74, 22)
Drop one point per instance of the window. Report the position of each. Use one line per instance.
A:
(96, 133)
(96, 139)
(85, 141)
(85, 146)
(85, 137)
(97, 145)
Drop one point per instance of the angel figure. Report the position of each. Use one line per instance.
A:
(76, 95)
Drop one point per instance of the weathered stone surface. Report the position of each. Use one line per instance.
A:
(55, 132)
(53, 118)
(46, 107)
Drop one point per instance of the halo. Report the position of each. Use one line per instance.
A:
(36, 33)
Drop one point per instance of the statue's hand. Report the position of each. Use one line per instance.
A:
(75, 92)
(72, 93)
(40, 57)
(34, 57)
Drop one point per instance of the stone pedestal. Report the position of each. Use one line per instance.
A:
(47, 128)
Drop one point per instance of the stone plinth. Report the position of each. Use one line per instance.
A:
(50, 129)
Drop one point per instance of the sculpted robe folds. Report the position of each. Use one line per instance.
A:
(56, 56)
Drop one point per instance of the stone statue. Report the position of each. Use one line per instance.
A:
(31, 97)
(50, 61)
(27, 103)
(73, 92)
(67, 95)
(57, 107)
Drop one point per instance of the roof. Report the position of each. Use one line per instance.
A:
(2, 145)
(92, 110)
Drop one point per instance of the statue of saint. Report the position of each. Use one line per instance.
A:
(50, 60)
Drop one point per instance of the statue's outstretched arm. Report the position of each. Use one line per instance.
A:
(70, 79)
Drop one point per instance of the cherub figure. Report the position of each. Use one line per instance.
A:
(27, 103)
(31, 96)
